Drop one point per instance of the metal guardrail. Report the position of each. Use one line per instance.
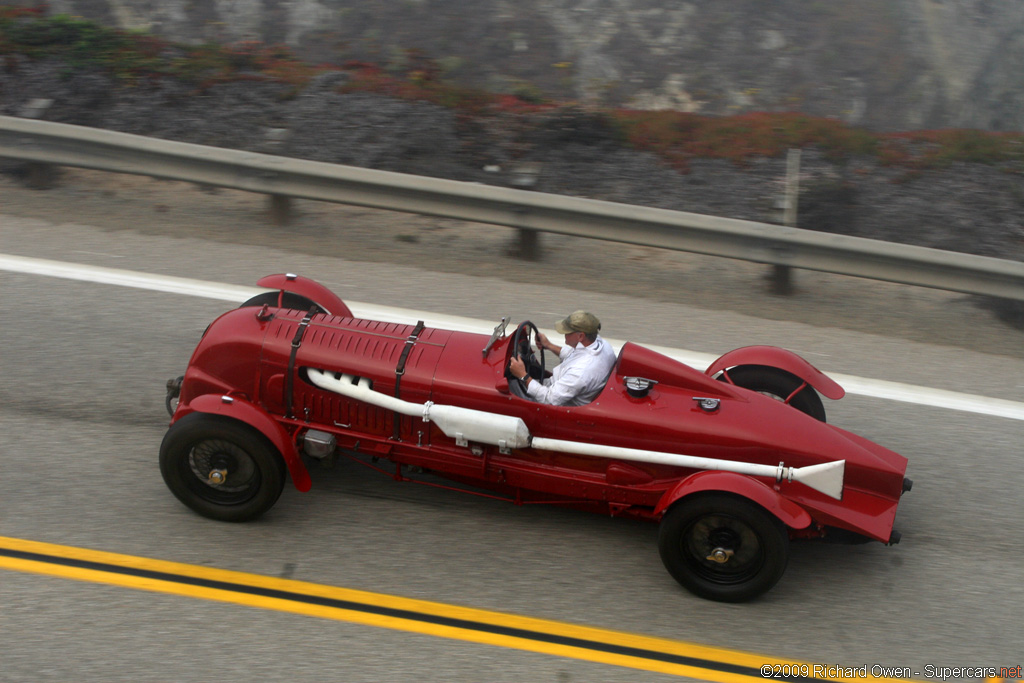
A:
(61, 144)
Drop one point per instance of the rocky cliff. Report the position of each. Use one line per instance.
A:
(883, 64)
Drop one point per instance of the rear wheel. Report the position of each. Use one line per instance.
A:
(778, 384)
(723, 547)
(221, 468)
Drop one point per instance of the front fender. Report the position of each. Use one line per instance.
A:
(257, 418)
(311, 289)
(783, 359)
(788, 512)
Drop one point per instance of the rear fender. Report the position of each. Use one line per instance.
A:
(257, 418)
(788, 512)
(776, 357)
(311, 289)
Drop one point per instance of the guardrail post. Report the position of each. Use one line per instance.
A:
(782, 276)
(41, 176)
(782, 280)
(529, 245)
(279, 206)
(280, 209)
(524, 176)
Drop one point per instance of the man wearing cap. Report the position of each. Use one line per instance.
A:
(586, 362)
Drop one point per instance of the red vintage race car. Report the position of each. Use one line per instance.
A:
(733, 462)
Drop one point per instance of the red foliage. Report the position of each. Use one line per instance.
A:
(39, 10)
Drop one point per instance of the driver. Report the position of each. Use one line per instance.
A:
(586, 362)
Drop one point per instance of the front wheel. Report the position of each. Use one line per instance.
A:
(723, 547)
(221, 468)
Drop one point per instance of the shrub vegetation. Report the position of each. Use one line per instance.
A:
(135, 58)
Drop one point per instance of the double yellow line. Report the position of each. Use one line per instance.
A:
(391, 612)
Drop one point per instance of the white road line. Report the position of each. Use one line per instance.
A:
(894, 391)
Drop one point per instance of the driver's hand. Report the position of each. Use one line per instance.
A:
(517, 367)
(542, 341)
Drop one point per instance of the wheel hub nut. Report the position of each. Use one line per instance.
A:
(218, 476)
(719, 555)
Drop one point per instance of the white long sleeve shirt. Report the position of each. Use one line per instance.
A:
(579, 378)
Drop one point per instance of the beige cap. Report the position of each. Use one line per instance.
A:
(579, 321)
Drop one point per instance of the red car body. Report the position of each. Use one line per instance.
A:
(303, 383)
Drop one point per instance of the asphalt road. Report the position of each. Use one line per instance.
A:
(82, 415)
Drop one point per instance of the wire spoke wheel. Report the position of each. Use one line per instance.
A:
(723, 547)
(779, 385)
(221, 468)
(283, 300)
(213, 457)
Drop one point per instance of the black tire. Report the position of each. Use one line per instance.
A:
(777, 384)
(199, 444)
(289, 300)
(755, 544)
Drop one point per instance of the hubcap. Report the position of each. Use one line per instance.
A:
(720, 555)
(722, 549)
(223, 466)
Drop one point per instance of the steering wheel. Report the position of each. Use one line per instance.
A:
(521, 347)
